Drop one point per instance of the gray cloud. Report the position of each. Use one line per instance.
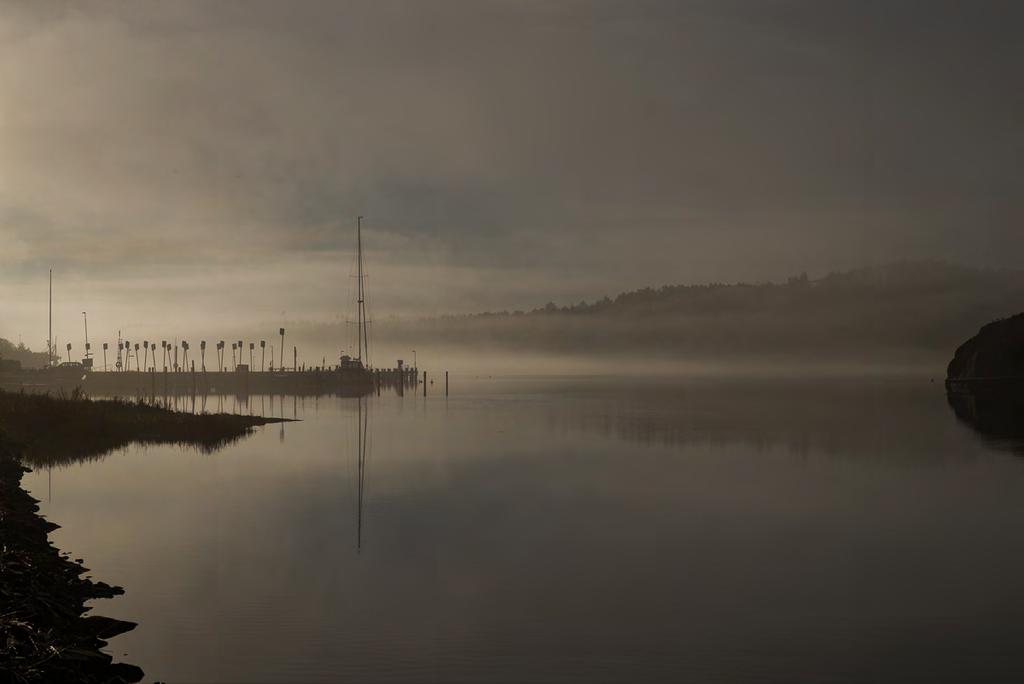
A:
(199, 158)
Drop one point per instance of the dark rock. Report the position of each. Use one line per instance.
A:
(107, 628)
(995, 353)
(985, 383)
(44, 636)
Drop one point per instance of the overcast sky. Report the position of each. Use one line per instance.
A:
(202, 164)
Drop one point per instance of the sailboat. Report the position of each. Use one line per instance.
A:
(361, 360)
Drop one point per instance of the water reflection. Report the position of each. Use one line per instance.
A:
(996, 415)
(856, 419)
(571, 530)
(362, 437)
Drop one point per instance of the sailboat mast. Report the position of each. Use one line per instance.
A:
(49, 331)
(362, 343)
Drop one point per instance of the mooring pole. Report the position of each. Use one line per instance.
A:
(446, 383)
(424, 383)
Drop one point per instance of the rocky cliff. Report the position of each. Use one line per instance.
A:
(997, 351)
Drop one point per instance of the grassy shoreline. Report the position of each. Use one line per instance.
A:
(45, 632)
(57, 430)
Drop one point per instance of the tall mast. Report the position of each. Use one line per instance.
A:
(49, 333)
(361, 342)
(85, 320)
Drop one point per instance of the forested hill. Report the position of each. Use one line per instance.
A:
(924, 308)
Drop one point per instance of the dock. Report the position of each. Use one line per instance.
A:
(345, 382)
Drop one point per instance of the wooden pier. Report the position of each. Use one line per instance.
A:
(346, 382)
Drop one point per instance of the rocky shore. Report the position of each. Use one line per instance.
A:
(993, 356)
(45, 632)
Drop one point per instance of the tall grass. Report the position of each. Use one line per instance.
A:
(58, 430)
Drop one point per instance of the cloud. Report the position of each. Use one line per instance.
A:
(552, 150)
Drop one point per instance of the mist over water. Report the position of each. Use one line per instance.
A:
(568, 529)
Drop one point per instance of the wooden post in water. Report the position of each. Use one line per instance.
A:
(446, 383)
(424, 383)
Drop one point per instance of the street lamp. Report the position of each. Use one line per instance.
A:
(282, 349)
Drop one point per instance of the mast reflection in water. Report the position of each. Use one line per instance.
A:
(362, 440)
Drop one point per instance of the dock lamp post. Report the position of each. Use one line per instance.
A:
(282, 348)
(136, 356)
(252, 348)
(233, 362)
(184, 352)
(163, 360)
(220, 356)
(202, 354)
(145, 354)
(263, 352)
(104, 357)
(414, 364)
(127, 355)
(240, 351)
(69, 351)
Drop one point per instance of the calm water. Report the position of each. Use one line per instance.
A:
(568, 529)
